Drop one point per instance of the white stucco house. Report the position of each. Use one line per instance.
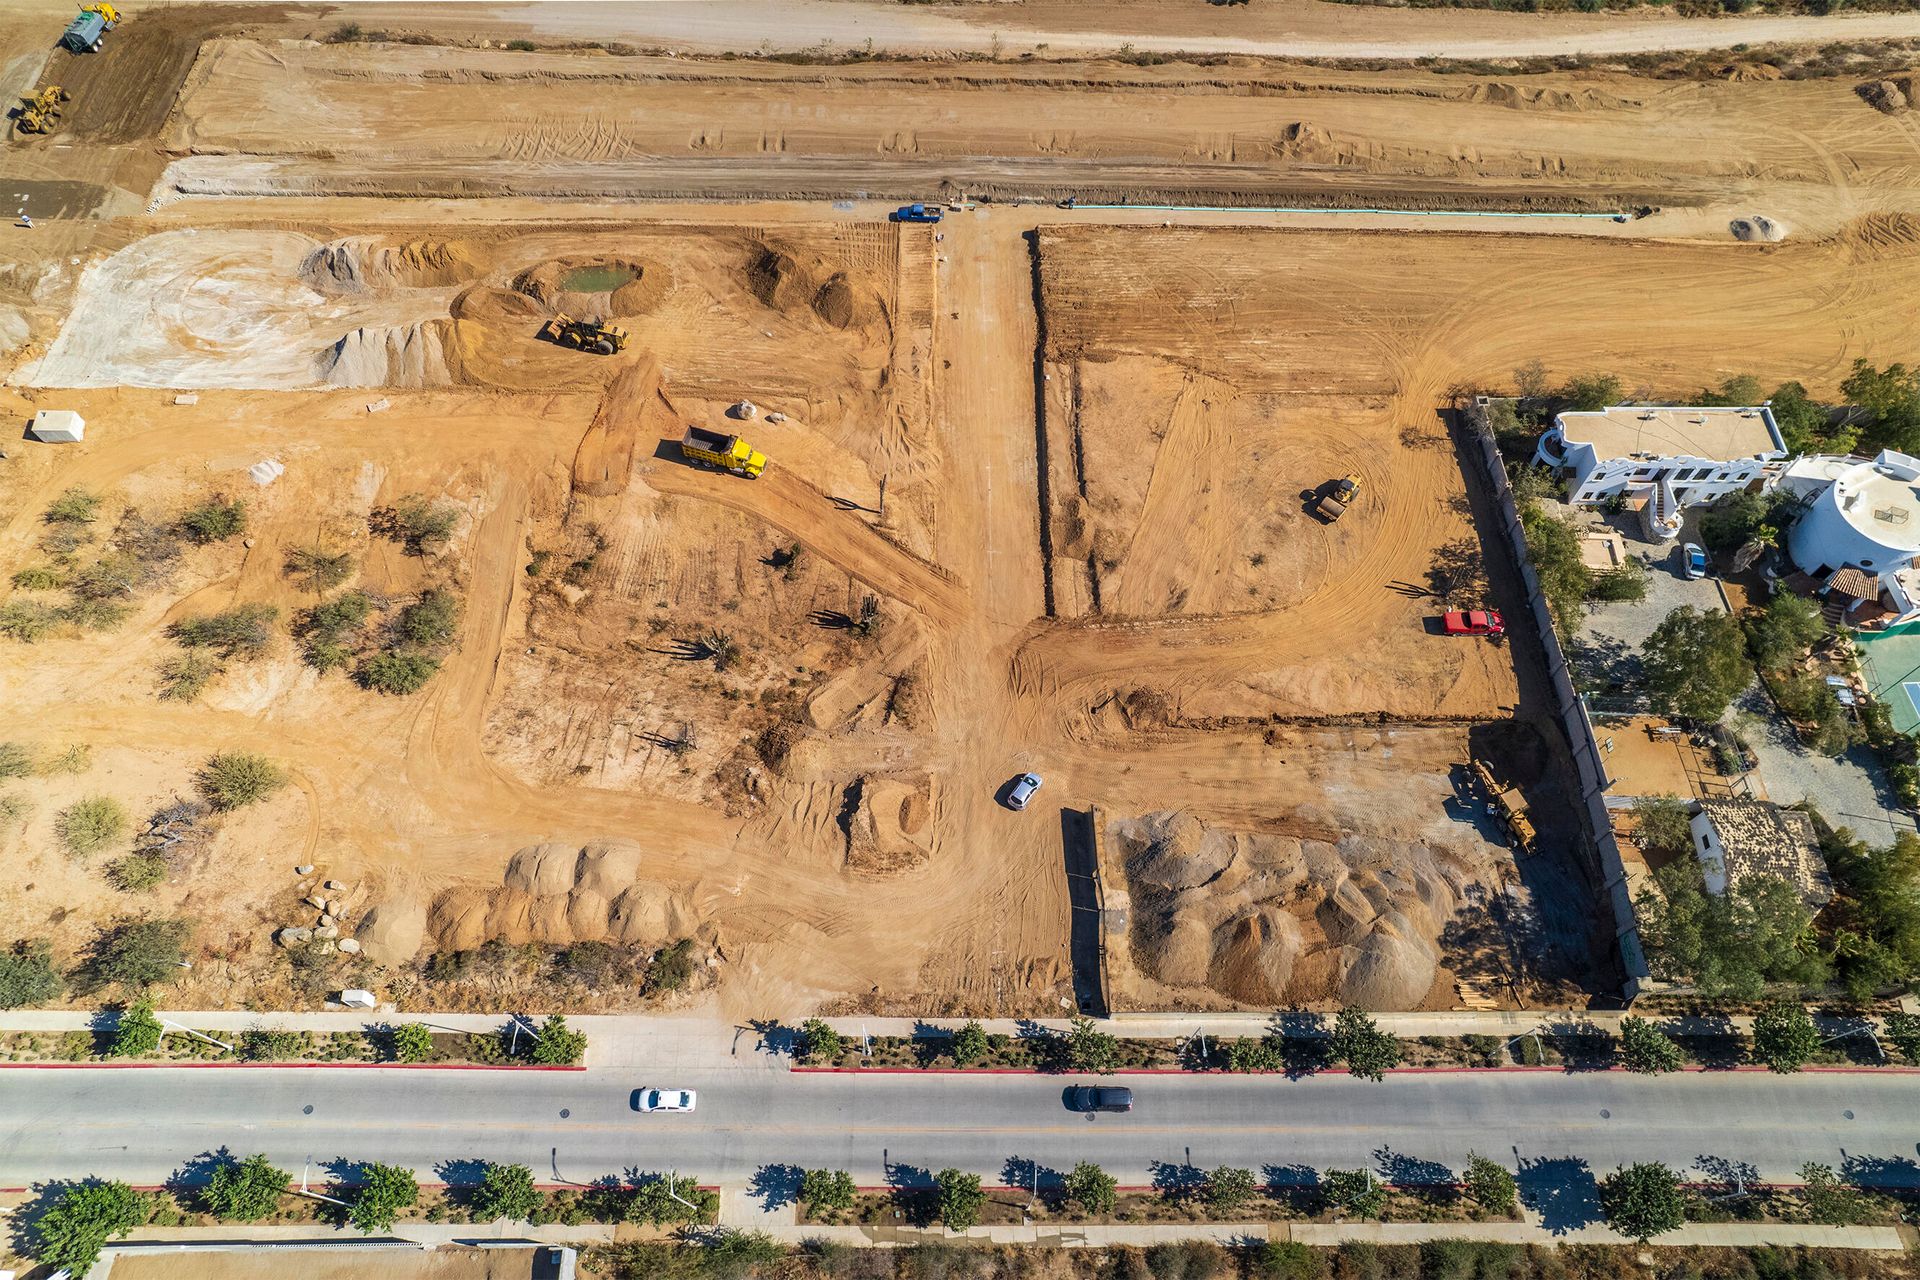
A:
(1860, 528)
(1662, 459)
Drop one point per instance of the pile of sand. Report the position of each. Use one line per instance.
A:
(887, 824)
(1272, 920)
(789, 283)
(1758, 229)
(361, 264)
(560, 894)
(545, 285)
(422, 354)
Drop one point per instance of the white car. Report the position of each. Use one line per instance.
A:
(1022, 790)
(663, 1100)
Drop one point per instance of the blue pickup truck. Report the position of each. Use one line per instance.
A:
(915, 213)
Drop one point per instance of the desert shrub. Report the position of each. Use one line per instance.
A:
(27, 975)
(215, 520)
(243, 631)
(319, 570)
(90, 824)
(522, 46)
(671, 967)
(137, 872)
(184, 676)
(85, 613)
(27, 620)
(333, 618)
(16, 760)
(269, 1044)
(75, 759)
(15, 809)
(430, 621)
(137, 954)
(1287, 1260)
(235, 779)
(325, 655)
(39, 577)
(395, 671)
(969, 1044)
(419, 523)
(113, 576)
(75, 506)
(1186, 1260)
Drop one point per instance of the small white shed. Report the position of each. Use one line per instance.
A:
(58, 426)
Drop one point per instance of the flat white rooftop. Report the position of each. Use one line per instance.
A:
(1883, 503)
(1666, 431)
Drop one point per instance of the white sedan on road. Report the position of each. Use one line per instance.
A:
(663, 1099)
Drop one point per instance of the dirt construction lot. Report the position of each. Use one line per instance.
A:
(1040, 498)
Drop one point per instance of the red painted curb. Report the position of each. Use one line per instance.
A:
(274, 1066)
(1325, 1071)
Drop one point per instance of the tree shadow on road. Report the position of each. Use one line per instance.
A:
(1880, 1171)
(1177, 1182)
(1030, 1175)
(1562, 1190)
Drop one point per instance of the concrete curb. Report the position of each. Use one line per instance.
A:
(1691, 1069)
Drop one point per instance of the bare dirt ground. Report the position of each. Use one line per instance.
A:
(1063, 454)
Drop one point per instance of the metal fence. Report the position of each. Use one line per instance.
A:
(1568, 708)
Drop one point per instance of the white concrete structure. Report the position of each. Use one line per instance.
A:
(58, 426)
(1662, 459)
(1861, 515)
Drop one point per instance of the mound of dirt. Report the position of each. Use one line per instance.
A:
(487, 304)
(361, 264)
(1758, 229)
(393, 932)
(634, 286)
(561, 894)
(1889, 96)
(887, 824)
(423, 354)
(1266, 919)
(788, 283)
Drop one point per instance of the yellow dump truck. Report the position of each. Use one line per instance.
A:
(1508, 805)
(729, 453)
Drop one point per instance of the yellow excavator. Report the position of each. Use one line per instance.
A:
(39, 111)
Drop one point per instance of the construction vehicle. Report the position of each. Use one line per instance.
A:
(39, 111)
(109, 15)
(597, 336)
(1507, 805)
(83, 33)
(728, 453)
(1334, 502)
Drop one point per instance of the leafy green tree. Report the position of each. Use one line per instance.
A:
(419, 523)
(1904, 1030)
(1874, 918)
(1740, 391)
(1491, 1185)
(506, 1191)
(1553, 545)
(1354, 1191)
(1093, 1189)
(1784, 1036)
(662, 1200)
(1091, 1049)
(1228, 1188)
(960, 1198)
(1696, 663)
(819, 1042)
(1807, 425)
(1741, 518)
(969, 1044)
(231, 780)
(1626, 581)
(1254, 1054)
(558, 1045)
(396, 671)
(1730, 944)
(827, 1189)
(1644, 1049)
(73, 1230)
(139, 953)
(385, 1189)
(137, 1032)
(27, 975)
(1662, 825)
(1829, 1201)
(245, 1190)
(1782, 633)
(412, 1042)
(1590, 392)
(1642, 1200)
(432, 619)
(1889, 399)
(1359, 1042)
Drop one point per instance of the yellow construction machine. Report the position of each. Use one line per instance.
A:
(1508, 806)
(108, 14)
(39, 111)
(718, 449)
(1335, 500)
(597, 336)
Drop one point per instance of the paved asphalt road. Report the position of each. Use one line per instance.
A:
(143, 1125)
